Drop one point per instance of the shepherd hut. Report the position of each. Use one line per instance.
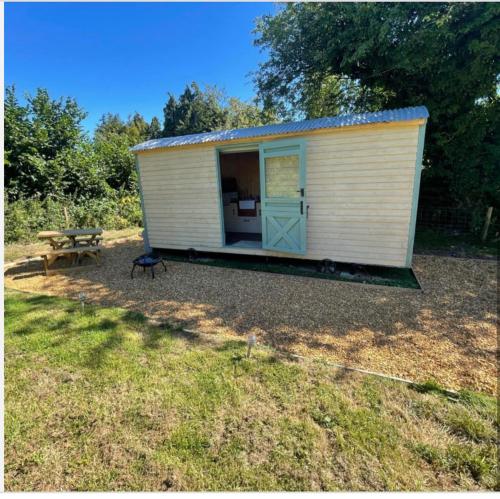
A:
(343, 188)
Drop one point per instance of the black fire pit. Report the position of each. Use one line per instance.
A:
(148, 260)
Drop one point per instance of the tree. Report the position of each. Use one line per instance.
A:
(112, 141)
(198, 111)
(137, 129)
(55, 124)
(326, 58)
(154, 128)
(110, 124)
(241, 114)
(170, 117)
(83, 173)
(35, 136)
(17, 144)
(115, 160)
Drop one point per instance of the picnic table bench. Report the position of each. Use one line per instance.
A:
(71, 237)
(74, 254)
(72, 244)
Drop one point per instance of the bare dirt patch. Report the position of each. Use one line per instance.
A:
(446, 333)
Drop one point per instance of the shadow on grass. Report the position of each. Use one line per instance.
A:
(134, 318)
(41, 300)
(97, 355)
(231, 346)
(153, 337)
(106, 325)
(432, 386)
(34, 326)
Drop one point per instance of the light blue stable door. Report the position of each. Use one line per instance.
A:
(282, 188)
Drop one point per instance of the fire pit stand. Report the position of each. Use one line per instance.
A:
(148, 260)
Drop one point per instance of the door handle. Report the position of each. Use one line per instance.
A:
(302, 207)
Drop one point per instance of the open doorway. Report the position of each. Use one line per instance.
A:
(240, 183)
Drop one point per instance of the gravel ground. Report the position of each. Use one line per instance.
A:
(446, 333)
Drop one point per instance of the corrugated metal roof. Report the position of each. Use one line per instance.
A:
(404, 114)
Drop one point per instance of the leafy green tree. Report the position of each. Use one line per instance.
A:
(55, 124)
(170, 117)
(241, 114)
(35, 136)
(18, 146)
(198, 111)
(16, 126)
(84, 174)
(137, 129)
(326, 58)
(112, 141)
(154, 128)
(110, 124)
(115, 160)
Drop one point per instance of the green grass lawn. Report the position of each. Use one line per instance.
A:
(103, 401)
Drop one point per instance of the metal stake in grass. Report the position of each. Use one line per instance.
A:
(252, 340)
(82, 297)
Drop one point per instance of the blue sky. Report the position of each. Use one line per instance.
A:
(126, 57)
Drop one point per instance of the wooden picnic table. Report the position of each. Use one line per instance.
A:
(71, 238)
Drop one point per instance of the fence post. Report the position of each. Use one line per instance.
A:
(487, 222)
(66, 217)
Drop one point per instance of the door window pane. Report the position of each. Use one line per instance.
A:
(282, 177)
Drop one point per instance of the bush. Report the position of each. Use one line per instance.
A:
(25, 217)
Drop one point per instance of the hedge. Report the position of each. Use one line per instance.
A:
(25, 217)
